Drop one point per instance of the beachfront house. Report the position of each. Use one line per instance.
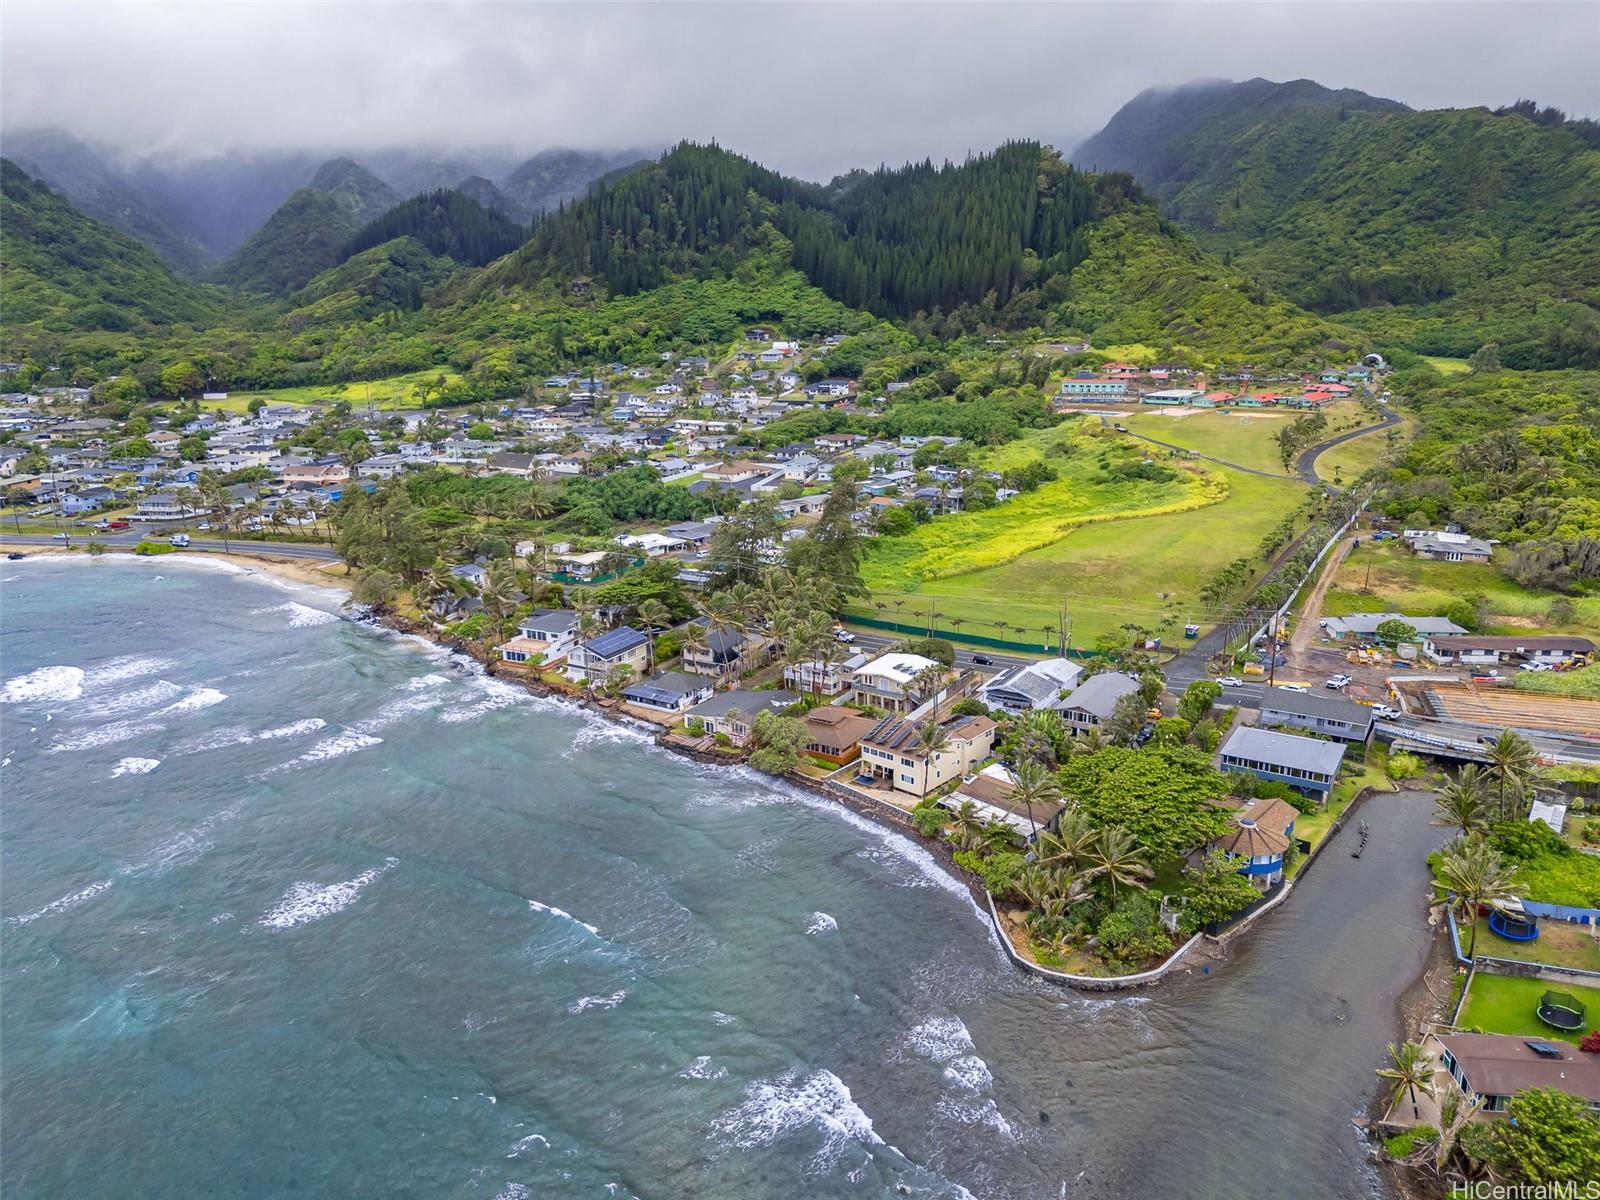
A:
(599, 658)
(834, 733)
(726, 653)
(734, 713)
(1325, 712)
(1258, 838)
(820, 677)
(668, 692)
(544, 636)
(1306, 764)
(1034, 685)
(1491, 1068)
(894, 753)
(993, 792)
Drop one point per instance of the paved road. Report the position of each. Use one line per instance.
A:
(877, 643)
(1305, 464)
(127, 539)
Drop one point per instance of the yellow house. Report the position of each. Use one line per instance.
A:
(895, 752)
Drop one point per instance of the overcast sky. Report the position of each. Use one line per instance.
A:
(809, 89)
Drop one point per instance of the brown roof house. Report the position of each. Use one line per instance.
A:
(836, 733)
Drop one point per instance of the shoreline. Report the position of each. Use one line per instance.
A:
(311, 572)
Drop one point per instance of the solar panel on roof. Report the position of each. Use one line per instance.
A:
(1544, 1048)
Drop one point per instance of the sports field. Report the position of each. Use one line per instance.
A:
(396, 392)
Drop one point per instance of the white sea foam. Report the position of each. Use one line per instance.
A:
(307, 902)
(702, 1068)
(46, 684)
(346, 742)
(821, 922)
(969, 1073)
(585, 1003)
(292, 729)
(64, 903)
(980, 1112)
(202, 697)
(105, 735)
(722, 1018)
(135, 766)
(124, 668)
(303, 616)
(536, 906)
(496, 695)
(222, 918)
(528, 1143)
(189, 846)
(140, 699)
(780, 1107)
(939, 1038)
(513, 1191)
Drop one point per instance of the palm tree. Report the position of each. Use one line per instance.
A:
(1117, 856)
(1471, 871)
(1069, 845)
(966, 826)
(932, 738)
(1512, 763)
(1035, 784)
(537, 505)
(693, 637)
(1460, 803)
(1410, 1071)
(435, 584)
(656, 617)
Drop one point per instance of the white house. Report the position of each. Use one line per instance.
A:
(885, 682)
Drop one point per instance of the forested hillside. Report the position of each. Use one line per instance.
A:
(447, 223)
(308, 232)
(65, 271)
(1439, 231)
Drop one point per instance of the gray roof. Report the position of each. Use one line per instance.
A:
(668, 687)
(1285, 750)
(551, 621)
(1366, 624)
(1325, 704)
(1098, 696)
(747, 701)
(1035, 681)
(1466, 545)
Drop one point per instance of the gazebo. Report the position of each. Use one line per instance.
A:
(1562, 1011)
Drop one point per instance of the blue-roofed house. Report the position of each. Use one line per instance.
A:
(599, 658)
(668, 692)
(1306, 764)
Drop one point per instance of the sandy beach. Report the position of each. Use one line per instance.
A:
(294, 570)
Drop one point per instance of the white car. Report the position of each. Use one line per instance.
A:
(1337, 681)
(1534, 666)
(1294, 687)
(1230, 681)
(62, 537)
(1384, 713)
(843, 635)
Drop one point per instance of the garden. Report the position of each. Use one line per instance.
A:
(1510, 1005)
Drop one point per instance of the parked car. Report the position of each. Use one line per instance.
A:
(1294, 687)
(1535, 666)
(1384, 713)
(1337, 681)
(843, 635)
(102, 525)
(118, 524)
(180, 539)
(1230, 681)
(1146, 732)
(983, 660)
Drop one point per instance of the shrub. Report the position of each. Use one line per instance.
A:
(1132, 931)
(723, 740)
(1406, 1143)
(929, 819)
(147, 548)
(1591, 1042)
(1404, 765)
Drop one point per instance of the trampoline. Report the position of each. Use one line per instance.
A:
(1514, 929)
(1561, 1011)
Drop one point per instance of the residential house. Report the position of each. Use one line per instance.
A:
(1491, 1068)
(727, 652)
(819, 677)
(1172, 396)
(692, 533)
(164, 507)
(1258, 838)
(1089, 387)
(893, 752)
(734, 472)
(668, 692)
(1306, 764)
(580, 566)
(889, 681)
(1325, 712)
(734, 713)
(1094, 700)
(1448, 547)
(524, 465)
(993, 792)
(544, 636)
(1473, 650)
(597, 659)
(1031, 685)
(315, 475)
(652, 545)
(85, 499)
(834, 733)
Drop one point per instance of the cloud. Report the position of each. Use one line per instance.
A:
(809, 88)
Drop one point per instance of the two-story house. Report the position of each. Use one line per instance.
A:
(896, 681)
(896, 752)
(1305, 764)
(1327, 713)
(545, 635)
(819, 677)
(1258, 839)
(599, 658)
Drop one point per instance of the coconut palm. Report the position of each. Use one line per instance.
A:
(537, 505)
(1038, 733)
(932, 738)
(1471, 874)
(656, 616)
(1035, 784)
(1410, 1071)
(1461, 802)
(693, 637)
(435, 584)
(1068, 846)
(1117, 856)
(1512, 765)
(966, 826)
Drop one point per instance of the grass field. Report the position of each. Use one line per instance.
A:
(394, 392)
(1246, 439)
(1447, 366)
(1502, 1004)
(1559, 943)
(1401, 582)
(1103, 574)
(1584, 682)
(1351, 459)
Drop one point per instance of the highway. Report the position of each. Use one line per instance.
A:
(128, 539)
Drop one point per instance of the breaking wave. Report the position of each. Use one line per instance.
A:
(307, 902)
(585, 1003)
(43, 685)
(780, 1107)
(135, 766)
(536, 906)
(64, 903)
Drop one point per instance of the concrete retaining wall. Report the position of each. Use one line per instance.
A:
(1093, 983)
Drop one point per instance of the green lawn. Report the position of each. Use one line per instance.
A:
(1401, 582)
(1104, 574)
(1246, 439)
(1313, 826)
(1349, 460)
(1501, 1004)
(394, 392)
(1447, 366)
(1560, 943)
(1585, 681)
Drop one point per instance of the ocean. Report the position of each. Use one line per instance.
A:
(295, 906)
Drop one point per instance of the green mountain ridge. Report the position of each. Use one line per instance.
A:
(1437, 231)
(65, 271)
